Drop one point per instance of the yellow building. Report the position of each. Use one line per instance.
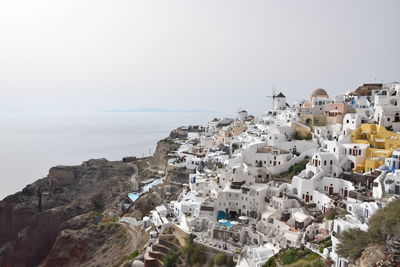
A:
(381, 144)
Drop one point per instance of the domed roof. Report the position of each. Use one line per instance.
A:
(319, 92)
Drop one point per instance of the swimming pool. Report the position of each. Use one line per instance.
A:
(226, 224)
(146, 188)
(133, 196)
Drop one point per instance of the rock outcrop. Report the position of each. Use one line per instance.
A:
(31, 220)
(164, 147)
(70, 217)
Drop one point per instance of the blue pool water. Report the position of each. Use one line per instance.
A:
(226, 224)
(133, 196)
(146, 188)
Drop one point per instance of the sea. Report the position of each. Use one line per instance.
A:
(32, 143)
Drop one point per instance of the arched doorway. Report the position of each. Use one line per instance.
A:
(397, 117)
(233, 215)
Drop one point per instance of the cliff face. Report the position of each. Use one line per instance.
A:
(70, 218)
(31, 220)
(164, 147)
(101, 244)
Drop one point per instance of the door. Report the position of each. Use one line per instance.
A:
(330, 190)
(397, 189)
(307, 198)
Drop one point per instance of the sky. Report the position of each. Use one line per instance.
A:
(209, 55)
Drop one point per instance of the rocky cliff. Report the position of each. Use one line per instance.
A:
(70, 217)
(165, 146)
(31, 220)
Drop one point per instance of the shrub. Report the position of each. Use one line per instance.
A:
(133, 255)
(290, 256)
(193, 254)
(97, 202)
(385, 222)
(220, 259)
(352, 243)
(382, 224)
(271, 262)
(171, 259)
(229, 261)
(326, 244)
(331, 214)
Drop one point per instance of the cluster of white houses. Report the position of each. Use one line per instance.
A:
(263, 183)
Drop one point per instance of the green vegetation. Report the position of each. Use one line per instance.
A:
(335, 213)
(222, 259)
(271, 262)
(326, 244)
(383, 223)
(295, 257)
(192, 254)
(170, 231)
(171, 259)
(298, 136)
(294, 254)
(353, 242)
(126, 259)
(133, 255)
(293, 170)
(98, 202)
(304, 263)
(308, 137)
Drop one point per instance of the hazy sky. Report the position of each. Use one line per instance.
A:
(216, 55)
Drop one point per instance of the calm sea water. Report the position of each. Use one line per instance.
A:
(32, 143)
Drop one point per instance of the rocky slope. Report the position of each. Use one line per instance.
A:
(70, 217)
(32, 219)
(164, 147)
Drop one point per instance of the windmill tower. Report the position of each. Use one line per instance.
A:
(273, 96)
(278, 100)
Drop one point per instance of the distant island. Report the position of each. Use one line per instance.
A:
(158, 110)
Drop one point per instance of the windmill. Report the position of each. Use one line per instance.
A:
(273, 96)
